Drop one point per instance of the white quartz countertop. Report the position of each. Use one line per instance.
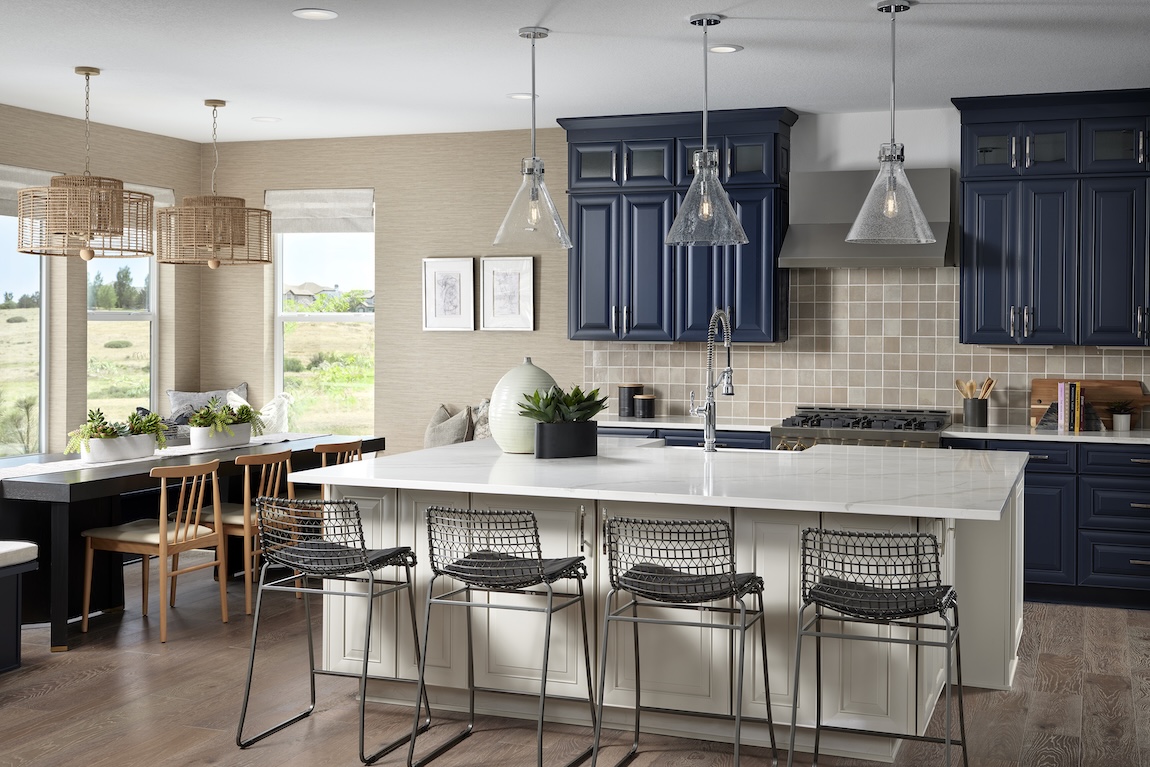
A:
(963, 484)
(1132, 437)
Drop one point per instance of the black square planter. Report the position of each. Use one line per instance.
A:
(568, 439)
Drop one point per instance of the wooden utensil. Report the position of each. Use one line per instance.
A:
(984, 392)
(960, 386)
(990, 384)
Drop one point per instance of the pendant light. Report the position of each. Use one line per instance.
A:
(86, 216)
(214, 230)
(891, 215)
(706, 216)
(532, 223)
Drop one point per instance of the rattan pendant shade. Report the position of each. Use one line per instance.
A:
(214, 230)
(84, 215)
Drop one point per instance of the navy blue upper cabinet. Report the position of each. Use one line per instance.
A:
(1054, 223)
(1034, 148)
(1115, 264)
(1019, 260)
(624, 282)
(1115, 145)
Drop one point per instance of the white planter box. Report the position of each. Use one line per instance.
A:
(204, 439)
(119, 448)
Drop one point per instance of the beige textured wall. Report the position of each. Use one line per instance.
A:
(436, 196)
(48, 142)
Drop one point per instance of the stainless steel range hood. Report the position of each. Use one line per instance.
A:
(824, 205)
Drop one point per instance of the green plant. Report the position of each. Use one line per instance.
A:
(17, 318)
(219, 417)
(1119, 408)
(557, 406)
(96, 427)
(148, 424)
(117, 343)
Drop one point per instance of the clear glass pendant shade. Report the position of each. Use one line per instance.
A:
(706, 215)
(891, 215)
(532, 222)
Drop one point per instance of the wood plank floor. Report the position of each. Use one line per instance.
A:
(119, 697)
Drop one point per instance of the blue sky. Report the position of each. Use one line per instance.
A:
(21, 273)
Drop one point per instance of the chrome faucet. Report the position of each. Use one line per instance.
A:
(725, 382)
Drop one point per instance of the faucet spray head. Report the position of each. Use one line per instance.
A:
(726, 379)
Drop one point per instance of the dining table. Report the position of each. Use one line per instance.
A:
(51, 498)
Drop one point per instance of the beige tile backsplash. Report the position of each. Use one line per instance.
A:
(876, 337)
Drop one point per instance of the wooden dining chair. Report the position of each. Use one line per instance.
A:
(180, 528)
(330, 454)
(239, 519)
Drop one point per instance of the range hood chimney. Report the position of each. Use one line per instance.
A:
(824, 205)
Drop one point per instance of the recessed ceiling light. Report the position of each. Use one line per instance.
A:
(521, 96)
(266, 119)
(314, 14)
(725, 48)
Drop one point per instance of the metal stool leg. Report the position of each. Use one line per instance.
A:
(587, 659)
(795, 695)
(739, 678)
(818, 683)
(958, 675)
(767, 678)
(240, 740)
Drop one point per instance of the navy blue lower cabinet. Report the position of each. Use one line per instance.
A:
(623, 431)
(1119, 560)
(1049, 529)
(754, 440)
(1114, 503)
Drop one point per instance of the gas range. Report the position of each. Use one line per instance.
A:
(889, 427)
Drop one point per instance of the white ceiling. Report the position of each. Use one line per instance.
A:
(432, 66)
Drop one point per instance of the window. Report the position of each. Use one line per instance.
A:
(121, 329)
(325, 239)
(23, 324)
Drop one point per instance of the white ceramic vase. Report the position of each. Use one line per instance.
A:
(1121, 421)
(119, 448)
(512, 432)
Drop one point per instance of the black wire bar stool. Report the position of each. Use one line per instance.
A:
(497, 551)
(321, 544)
(890, 579)
(684, 564)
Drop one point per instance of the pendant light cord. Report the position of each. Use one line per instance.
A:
(893, 16)
(87, 123)
(533, 154)
(215, 148)
(705, 57)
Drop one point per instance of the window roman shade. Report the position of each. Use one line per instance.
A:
(321, 211)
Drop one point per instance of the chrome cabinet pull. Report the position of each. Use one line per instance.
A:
(1037, 457)
(1141, 147)
(1012, 320)
(729, 163)
(1140, 460)
(1026, 151)
(1139, 317)
(626, 166)
(1026, 321)
(626, 319)
(1139, 562)
(1140, 505)
(614, 164)
(614, 314)
(582, 520)
(717, 444)
(1013, 152)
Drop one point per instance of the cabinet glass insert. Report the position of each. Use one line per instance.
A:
(647, 163)
(1114, 144)
(1049, 147)
(747, 158)
(993, 150)
(597, 164)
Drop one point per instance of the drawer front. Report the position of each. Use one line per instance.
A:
(1060, 457)
(1114, 503)
(1120, 560)
(623, 431)
(756, 440)
(1125, 460)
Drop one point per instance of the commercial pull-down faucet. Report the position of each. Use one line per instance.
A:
(707, 411)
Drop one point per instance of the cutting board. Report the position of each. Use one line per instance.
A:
(1099, 392)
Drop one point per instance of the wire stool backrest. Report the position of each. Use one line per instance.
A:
(692, 549)
(493, 549)
(897, 561)
(321, 538)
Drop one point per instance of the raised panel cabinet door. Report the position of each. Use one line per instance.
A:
(988, 311)
(593, 268)
(698, 289)
(649, 163)
(1050, 532)
(594, 164)
(1048, 147)
(749, 159)
(647, 267)
(1114, 262)
(1048, 274)
(1115, 145)
(752, 284)
(685, 149)
(990, 149)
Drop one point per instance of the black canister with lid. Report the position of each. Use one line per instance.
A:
(644, 405)
(627, 394)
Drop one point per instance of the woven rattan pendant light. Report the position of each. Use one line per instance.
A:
(214, 230)
(86, 216)
(532, 222)
(891, 215)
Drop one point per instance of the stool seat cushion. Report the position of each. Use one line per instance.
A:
(232, 514)
(493, 569)
(17, 552)
(666, 584)
(327, 558)
(142, 531)
(862, 600)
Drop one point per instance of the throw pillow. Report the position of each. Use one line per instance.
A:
(275, 413)
(447, 429)
(481, 428)
(183, 403)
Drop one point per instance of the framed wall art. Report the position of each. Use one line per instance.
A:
(448, 294)
(508, 293)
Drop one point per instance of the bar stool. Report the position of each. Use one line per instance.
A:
(889, 579)
(497, 551)
(682, 564)
(330, 454)
(324, 540)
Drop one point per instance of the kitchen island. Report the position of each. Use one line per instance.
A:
(970, 500)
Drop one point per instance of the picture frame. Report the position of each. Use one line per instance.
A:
(448, 294)
(507, 291)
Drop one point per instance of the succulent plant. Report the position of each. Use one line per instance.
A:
(557, 406)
